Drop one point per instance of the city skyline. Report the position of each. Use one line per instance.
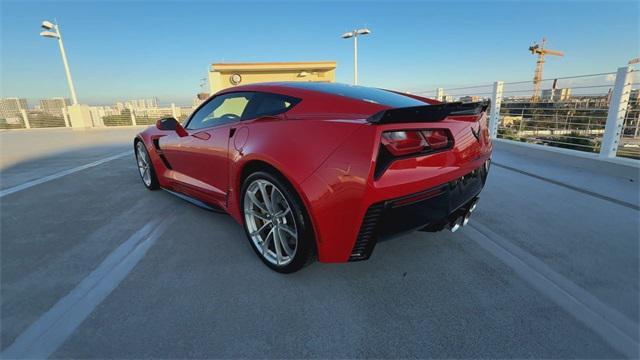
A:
(43, 104)
(410, 48)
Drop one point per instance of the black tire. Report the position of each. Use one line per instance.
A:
(154, 184)
(304, 254)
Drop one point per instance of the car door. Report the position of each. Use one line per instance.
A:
(200, 160)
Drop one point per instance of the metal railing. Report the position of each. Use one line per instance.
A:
(630, 136)
(134, 117)
(567, 115)
(597, 113)
(100, 116)
(34, 119)
(571, 113)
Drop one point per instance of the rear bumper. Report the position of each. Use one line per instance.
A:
(346, 202)
(430, 209)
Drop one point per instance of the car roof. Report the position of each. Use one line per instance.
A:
(361, 93)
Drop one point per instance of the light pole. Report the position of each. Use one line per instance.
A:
(354, 34)
(53, 31)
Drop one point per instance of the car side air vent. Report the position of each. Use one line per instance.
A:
(367, 236)
(156, 145)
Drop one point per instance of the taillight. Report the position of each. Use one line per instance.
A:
(400, 143)
(437, 139)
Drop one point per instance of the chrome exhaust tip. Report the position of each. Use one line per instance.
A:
(467, 216)
(473, 205)
(455, 225)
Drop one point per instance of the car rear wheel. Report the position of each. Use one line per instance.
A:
(145, 167)
(276, 223)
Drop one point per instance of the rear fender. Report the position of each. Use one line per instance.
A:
(295, 148)
(338, 197)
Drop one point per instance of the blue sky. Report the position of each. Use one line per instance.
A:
(136, 49)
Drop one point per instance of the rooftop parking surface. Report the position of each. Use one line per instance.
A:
(93, 265)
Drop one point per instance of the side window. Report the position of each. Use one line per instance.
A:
(264, 104)
(220, 110)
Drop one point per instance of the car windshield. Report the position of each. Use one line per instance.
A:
(368, 94)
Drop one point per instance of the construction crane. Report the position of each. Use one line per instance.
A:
(539, 49)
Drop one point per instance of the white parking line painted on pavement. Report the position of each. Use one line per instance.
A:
(45, 335)
(614, 327)
(60, 174)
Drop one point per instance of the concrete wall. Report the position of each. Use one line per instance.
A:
(619, 167)
(222, 76)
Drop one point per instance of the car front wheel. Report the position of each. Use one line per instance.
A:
(275, 222)
(145, 167)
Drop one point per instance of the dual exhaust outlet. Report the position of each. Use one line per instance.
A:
(460, 220)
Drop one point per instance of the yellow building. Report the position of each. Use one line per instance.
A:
(224, 75)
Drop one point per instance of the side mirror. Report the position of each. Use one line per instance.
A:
(171, 124)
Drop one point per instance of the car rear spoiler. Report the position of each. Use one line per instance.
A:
(428, 113)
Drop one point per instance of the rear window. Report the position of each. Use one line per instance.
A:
(372, 95)
(265, 104)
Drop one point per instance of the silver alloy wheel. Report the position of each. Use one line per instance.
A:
(143, 163)
(270, 222)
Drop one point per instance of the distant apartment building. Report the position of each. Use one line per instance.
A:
(152, 103)
(562, 94)
(468, 99)
(138, 104)
(54, 106)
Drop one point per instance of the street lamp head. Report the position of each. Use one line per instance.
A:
(53, 31)
(47, 25)
(354, 34)
(50, 34)
(347, 35)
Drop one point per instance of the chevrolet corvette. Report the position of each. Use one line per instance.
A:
(323, 170)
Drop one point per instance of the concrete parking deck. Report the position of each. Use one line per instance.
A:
(95, 266)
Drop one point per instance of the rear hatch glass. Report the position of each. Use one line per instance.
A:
(372, 95)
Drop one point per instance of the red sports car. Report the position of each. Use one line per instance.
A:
(323, 170)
